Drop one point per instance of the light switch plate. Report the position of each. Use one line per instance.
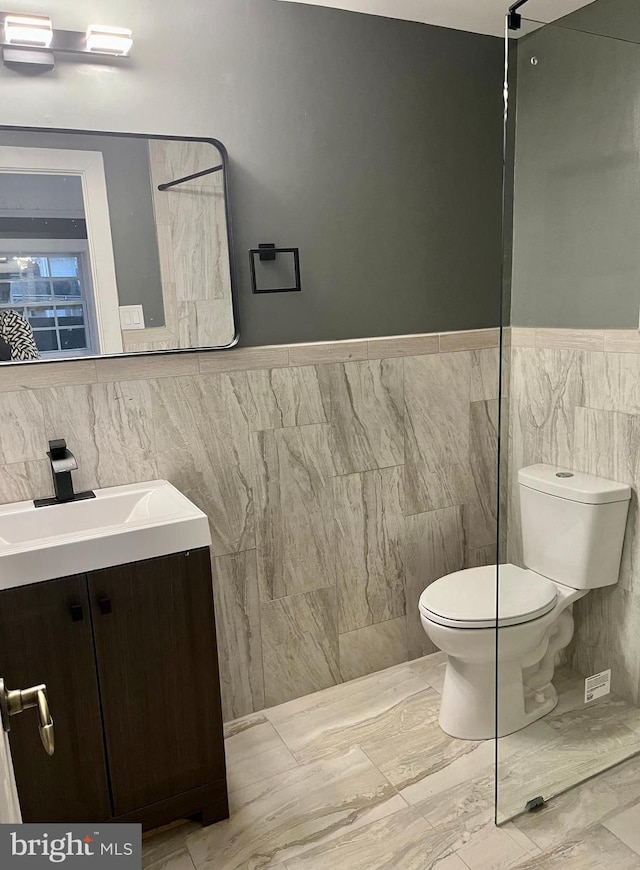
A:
(131, 317)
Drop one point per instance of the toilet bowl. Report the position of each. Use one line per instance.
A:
(502, 627)
(458, 613)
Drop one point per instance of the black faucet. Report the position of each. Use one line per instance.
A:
(63, 462)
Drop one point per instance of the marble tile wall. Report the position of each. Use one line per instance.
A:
(339, 480)
(575, 402)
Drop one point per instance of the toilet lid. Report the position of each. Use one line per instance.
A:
(467, 599)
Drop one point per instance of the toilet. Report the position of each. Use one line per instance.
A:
(572, 534)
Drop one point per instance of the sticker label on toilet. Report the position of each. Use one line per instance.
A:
(597, 686)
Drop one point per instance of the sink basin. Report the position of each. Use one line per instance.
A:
(121, 524)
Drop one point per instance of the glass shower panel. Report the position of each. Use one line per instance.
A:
(569, 402)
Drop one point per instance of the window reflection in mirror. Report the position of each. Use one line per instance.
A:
(47, 296)
(45, 285)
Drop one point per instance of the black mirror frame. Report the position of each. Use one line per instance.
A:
(224, 154)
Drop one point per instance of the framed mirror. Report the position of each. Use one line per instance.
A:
(113, 243)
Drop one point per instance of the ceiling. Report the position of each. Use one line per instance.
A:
(478, 16)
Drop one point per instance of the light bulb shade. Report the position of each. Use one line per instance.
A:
(34, 30)
(108, 40)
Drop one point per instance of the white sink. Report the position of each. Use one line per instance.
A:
(121, 524)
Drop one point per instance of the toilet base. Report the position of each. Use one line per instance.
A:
(468, 705)
(526, 657)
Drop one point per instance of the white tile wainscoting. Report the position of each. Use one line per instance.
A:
(339, 478)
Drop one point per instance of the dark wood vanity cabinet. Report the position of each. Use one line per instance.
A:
(129, 658)
(42, 642)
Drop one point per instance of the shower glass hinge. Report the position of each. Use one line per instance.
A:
(535, 804)
(514, 20)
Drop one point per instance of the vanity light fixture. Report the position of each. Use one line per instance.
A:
(29, 42)
(36, 31)
(109, 40)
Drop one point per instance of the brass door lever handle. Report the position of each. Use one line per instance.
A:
(14, 701)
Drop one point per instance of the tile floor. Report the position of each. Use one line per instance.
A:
(360, 777)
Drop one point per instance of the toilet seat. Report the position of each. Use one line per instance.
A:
(467, 599)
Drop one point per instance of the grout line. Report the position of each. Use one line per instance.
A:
(286, 428)
(422, 677)
(525, 842)
(270, 775)
(191, 858)
(384, 775)
(260, 639)
(284, 743)
(370, 470)
(458, 855)
(232, 553)
(297, 595)
(374, 625)
(533, 848)
(289, 748)
(437, 510)
(621, 841)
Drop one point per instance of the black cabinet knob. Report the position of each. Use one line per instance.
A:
(77, 614)
(104, 604)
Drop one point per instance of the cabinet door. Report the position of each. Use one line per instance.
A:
(45, 637)
(158, 670)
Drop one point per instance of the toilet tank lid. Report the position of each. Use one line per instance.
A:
(573, 485)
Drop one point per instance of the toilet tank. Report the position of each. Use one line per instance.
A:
(572, 525)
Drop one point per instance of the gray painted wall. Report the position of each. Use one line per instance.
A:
(613, 18)
(374, 145)
(133, 228)
(576, 260)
